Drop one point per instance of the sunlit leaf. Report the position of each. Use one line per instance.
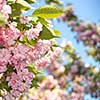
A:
(48, 12)
(47, 33)
(1, 19)
(24, 3)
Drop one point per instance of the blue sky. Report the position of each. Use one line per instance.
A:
(87, 10)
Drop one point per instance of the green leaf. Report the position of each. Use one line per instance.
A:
(32, 42)
(10, 1)
(27, 42)
(1, 46)
(47, 33)
(34, 83)
(25, 39)
(21, 26)
(57, 33)
(33, 19)
(17, 9)
(24, 3)
(10, 69)
(4, 85)
(30, 1)
(1, 19)
(43, 21)
(48, 12)
(32, 69)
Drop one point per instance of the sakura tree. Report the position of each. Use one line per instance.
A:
(26, 45)
(28, 51)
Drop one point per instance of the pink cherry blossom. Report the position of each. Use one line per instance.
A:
(34, 31)
(24, 20)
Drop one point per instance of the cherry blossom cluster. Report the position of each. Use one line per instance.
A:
(53, 85)
(75, 75)
(5, 9)
(18, 50)
(88, 33)
(66, 81)
(19, 56)
(48, 89)
(82, 78)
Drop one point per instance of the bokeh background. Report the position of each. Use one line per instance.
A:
(87, 10)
